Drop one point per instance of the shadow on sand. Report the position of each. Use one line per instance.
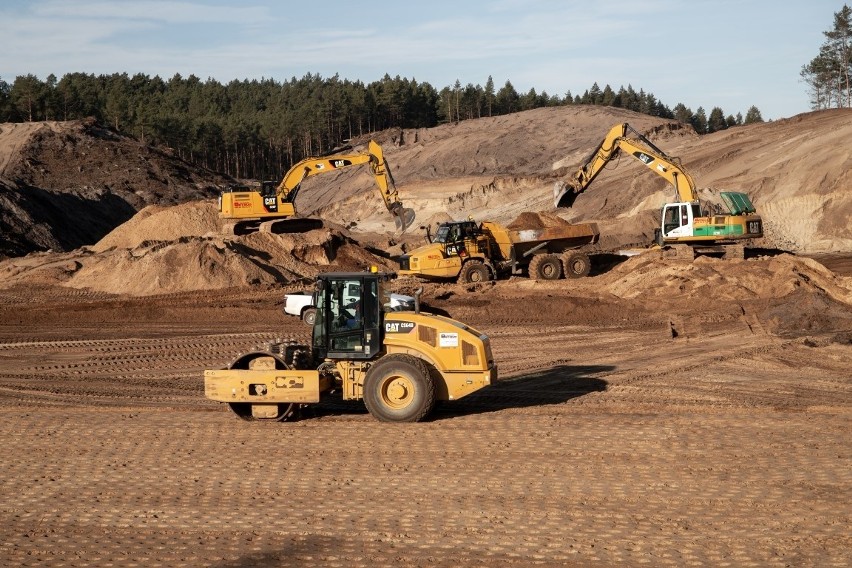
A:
(555, 385)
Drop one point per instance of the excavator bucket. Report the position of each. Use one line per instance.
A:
(403, 217)
(563, 194)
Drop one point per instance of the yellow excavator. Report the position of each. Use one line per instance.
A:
(399, 363)
(250, 209)
(687, 221)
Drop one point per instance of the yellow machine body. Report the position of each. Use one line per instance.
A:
(272, 203)
(471, 252)
(460, 355)
(399, 363)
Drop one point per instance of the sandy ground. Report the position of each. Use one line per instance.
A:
(621, 432)
(659, 412)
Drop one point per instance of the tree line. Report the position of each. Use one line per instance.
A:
(828, 74)
(257, 129)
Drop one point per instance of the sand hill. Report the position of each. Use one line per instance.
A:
(795, 170)
(67, 184)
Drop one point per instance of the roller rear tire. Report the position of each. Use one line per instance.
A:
(399, 388)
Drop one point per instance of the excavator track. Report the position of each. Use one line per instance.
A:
(275, 226)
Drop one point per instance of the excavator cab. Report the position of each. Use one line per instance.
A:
(678, 219)
(349, 316)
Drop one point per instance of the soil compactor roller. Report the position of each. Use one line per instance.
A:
(398, 363)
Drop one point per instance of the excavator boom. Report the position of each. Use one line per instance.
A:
(619, 139)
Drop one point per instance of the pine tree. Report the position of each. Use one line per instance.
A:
(682, 113)
(839, 40)
(699, 121)
(716, 121)
(489, 95)
(4, 101)
(608, 96)
(507, 99)
(828, 74)
(752, 116)
(27, 96)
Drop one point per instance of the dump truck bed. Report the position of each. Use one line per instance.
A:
(553, 239)
(585, 232)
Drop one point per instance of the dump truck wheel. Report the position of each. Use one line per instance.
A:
(474, 271)
(261, 360)
(576, 265)
(309, 316)
(399, 388)
(545, 267)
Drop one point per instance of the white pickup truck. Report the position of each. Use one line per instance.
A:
(302, 304)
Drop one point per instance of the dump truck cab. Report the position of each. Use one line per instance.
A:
(453, 245)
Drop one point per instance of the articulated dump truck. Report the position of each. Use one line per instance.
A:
(471, 252)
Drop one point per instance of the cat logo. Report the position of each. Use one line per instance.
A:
(270, 203)
(643, 157)
(399, 326)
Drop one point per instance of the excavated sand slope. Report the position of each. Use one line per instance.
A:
(796, 172)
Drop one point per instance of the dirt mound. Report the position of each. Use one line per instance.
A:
(181, 248)
(790, 294)
(73, 182)
(709, 279)
(531, 220)
(159, 223)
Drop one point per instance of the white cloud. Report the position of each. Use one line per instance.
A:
(151, 10)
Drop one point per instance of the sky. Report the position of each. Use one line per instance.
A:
(731, 54)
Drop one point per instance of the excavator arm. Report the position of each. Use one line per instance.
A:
(624, 138)
(289, 186)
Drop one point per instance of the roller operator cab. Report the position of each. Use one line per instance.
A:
(398, 363)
